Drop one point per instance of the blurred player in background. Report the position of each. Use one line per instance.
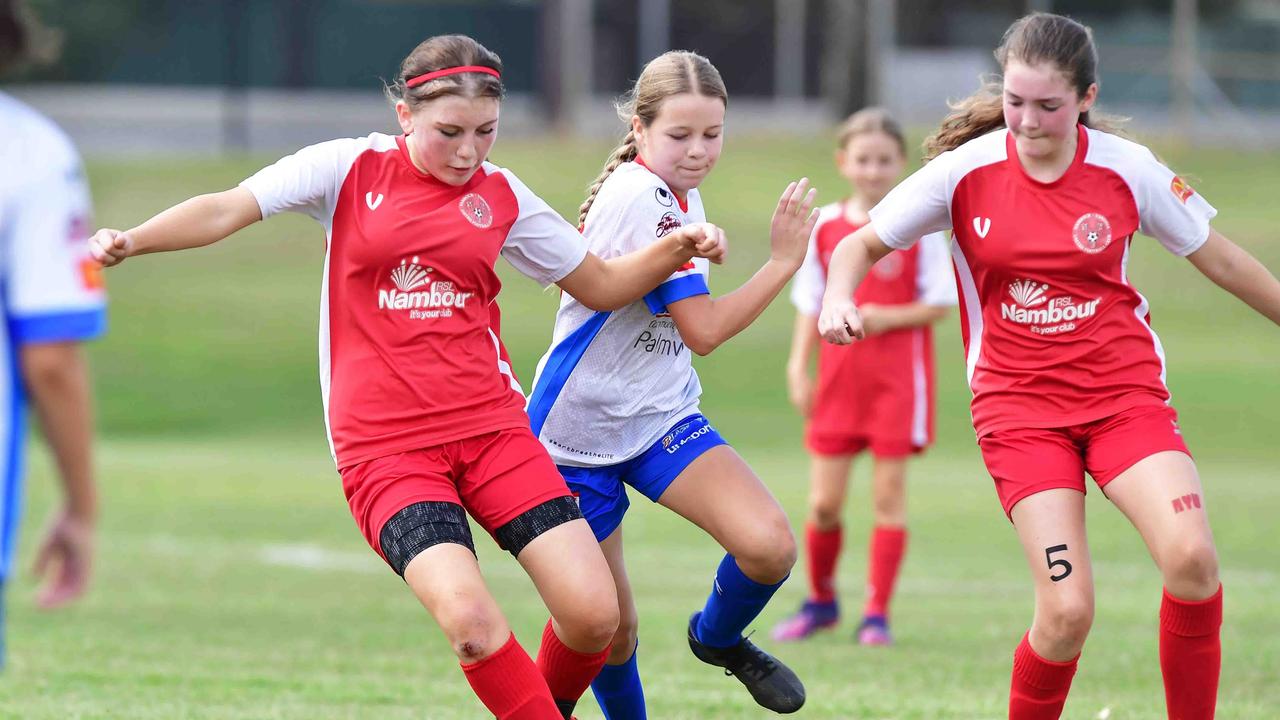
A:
(1067, 374)
(616, 398)
(51, 301)
(877, 396)
(425, 419)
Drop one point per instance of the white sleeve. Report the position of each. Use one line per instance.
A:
(935, 281)
(52, 288)
(918, 206)
(307, 181)
(1169, 210)
(541, 244)
(810, 282)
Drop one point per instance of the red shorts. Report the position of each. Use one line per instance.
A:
(1025, 461)
(841, 444)
(496, 477)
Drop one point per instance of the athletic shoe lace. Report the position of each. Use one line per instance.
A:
(753, 662)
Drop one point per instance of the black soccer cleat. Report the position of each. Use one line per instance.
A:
(773, 685)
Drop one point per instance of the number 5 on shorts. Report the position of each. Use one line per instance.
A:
(1060, 562)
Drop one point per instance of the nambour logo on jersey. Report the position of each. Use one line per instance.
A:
(476, 210)
(416, 292)
(1092, 233)
(1045, 315)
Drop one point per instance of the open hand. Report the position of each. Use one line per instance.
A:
(64, 561)
(793, 222)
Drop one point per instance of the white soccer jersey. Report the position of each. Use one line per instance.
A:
(50, 291)
(613, 383)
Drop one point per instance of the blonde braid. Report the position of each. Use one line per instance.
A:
(623, 153)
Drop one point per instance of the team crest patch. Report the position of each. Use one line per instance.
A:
(476, 210)
(888, 267)
(666, 224)
(1092, 233)
(1181, 189)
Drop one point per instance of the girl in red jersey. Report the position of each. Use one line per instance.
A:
(1066, 372)
(424, 416)
(877, 396)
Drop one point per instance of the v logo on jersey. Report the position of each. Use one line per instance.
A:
(982, 226)
(371, 201)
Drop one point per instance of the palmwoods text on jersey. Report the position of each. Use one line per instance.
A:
(654, 340)
(423, 297)
(1045, 315)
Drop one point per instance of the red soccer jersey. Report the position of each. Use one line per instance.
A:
(409, 350)
(881, 387)
(1054, 333)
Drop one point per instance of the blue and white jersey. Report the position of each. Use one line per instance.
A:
(614, 382)
(50, 290)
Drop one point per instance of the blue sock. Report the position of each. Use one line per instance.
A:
(618, 691)
(735, 601)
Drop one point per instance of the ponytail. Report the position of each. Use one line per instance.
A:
(976, 115)
(625, 152)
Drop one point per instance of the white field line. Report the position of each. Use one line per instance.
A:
(314, 557)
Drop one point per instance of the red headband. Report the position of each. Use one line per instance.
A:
(415, 82)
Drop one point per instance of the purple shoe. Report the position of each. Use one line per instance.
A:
(874, 631)
(813, 616)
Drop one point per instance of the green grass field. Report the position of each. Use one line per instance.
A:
(232, 583)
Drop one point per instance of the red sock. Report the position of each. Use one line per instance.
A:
(1039, 688)
(1190, 655)
(568, 672)
(888, 545)
(508, 683)
(824, 552)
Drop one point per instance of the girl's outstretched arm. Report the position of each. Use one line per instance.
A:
(1233, 269)
(607, 285)
(705, 322)
(877, 319)
(200, 221)
(839, 322)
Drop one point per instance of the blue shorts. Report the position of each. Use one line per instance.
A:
(600, 490)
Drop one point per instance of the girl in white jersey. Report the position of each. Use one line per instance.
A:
(424, 416)
(51, 302)
(1066, 372)
(616, 399)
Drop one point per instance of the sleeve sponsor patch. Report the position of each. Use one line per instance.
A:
(1181, 189)
(667, 223)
